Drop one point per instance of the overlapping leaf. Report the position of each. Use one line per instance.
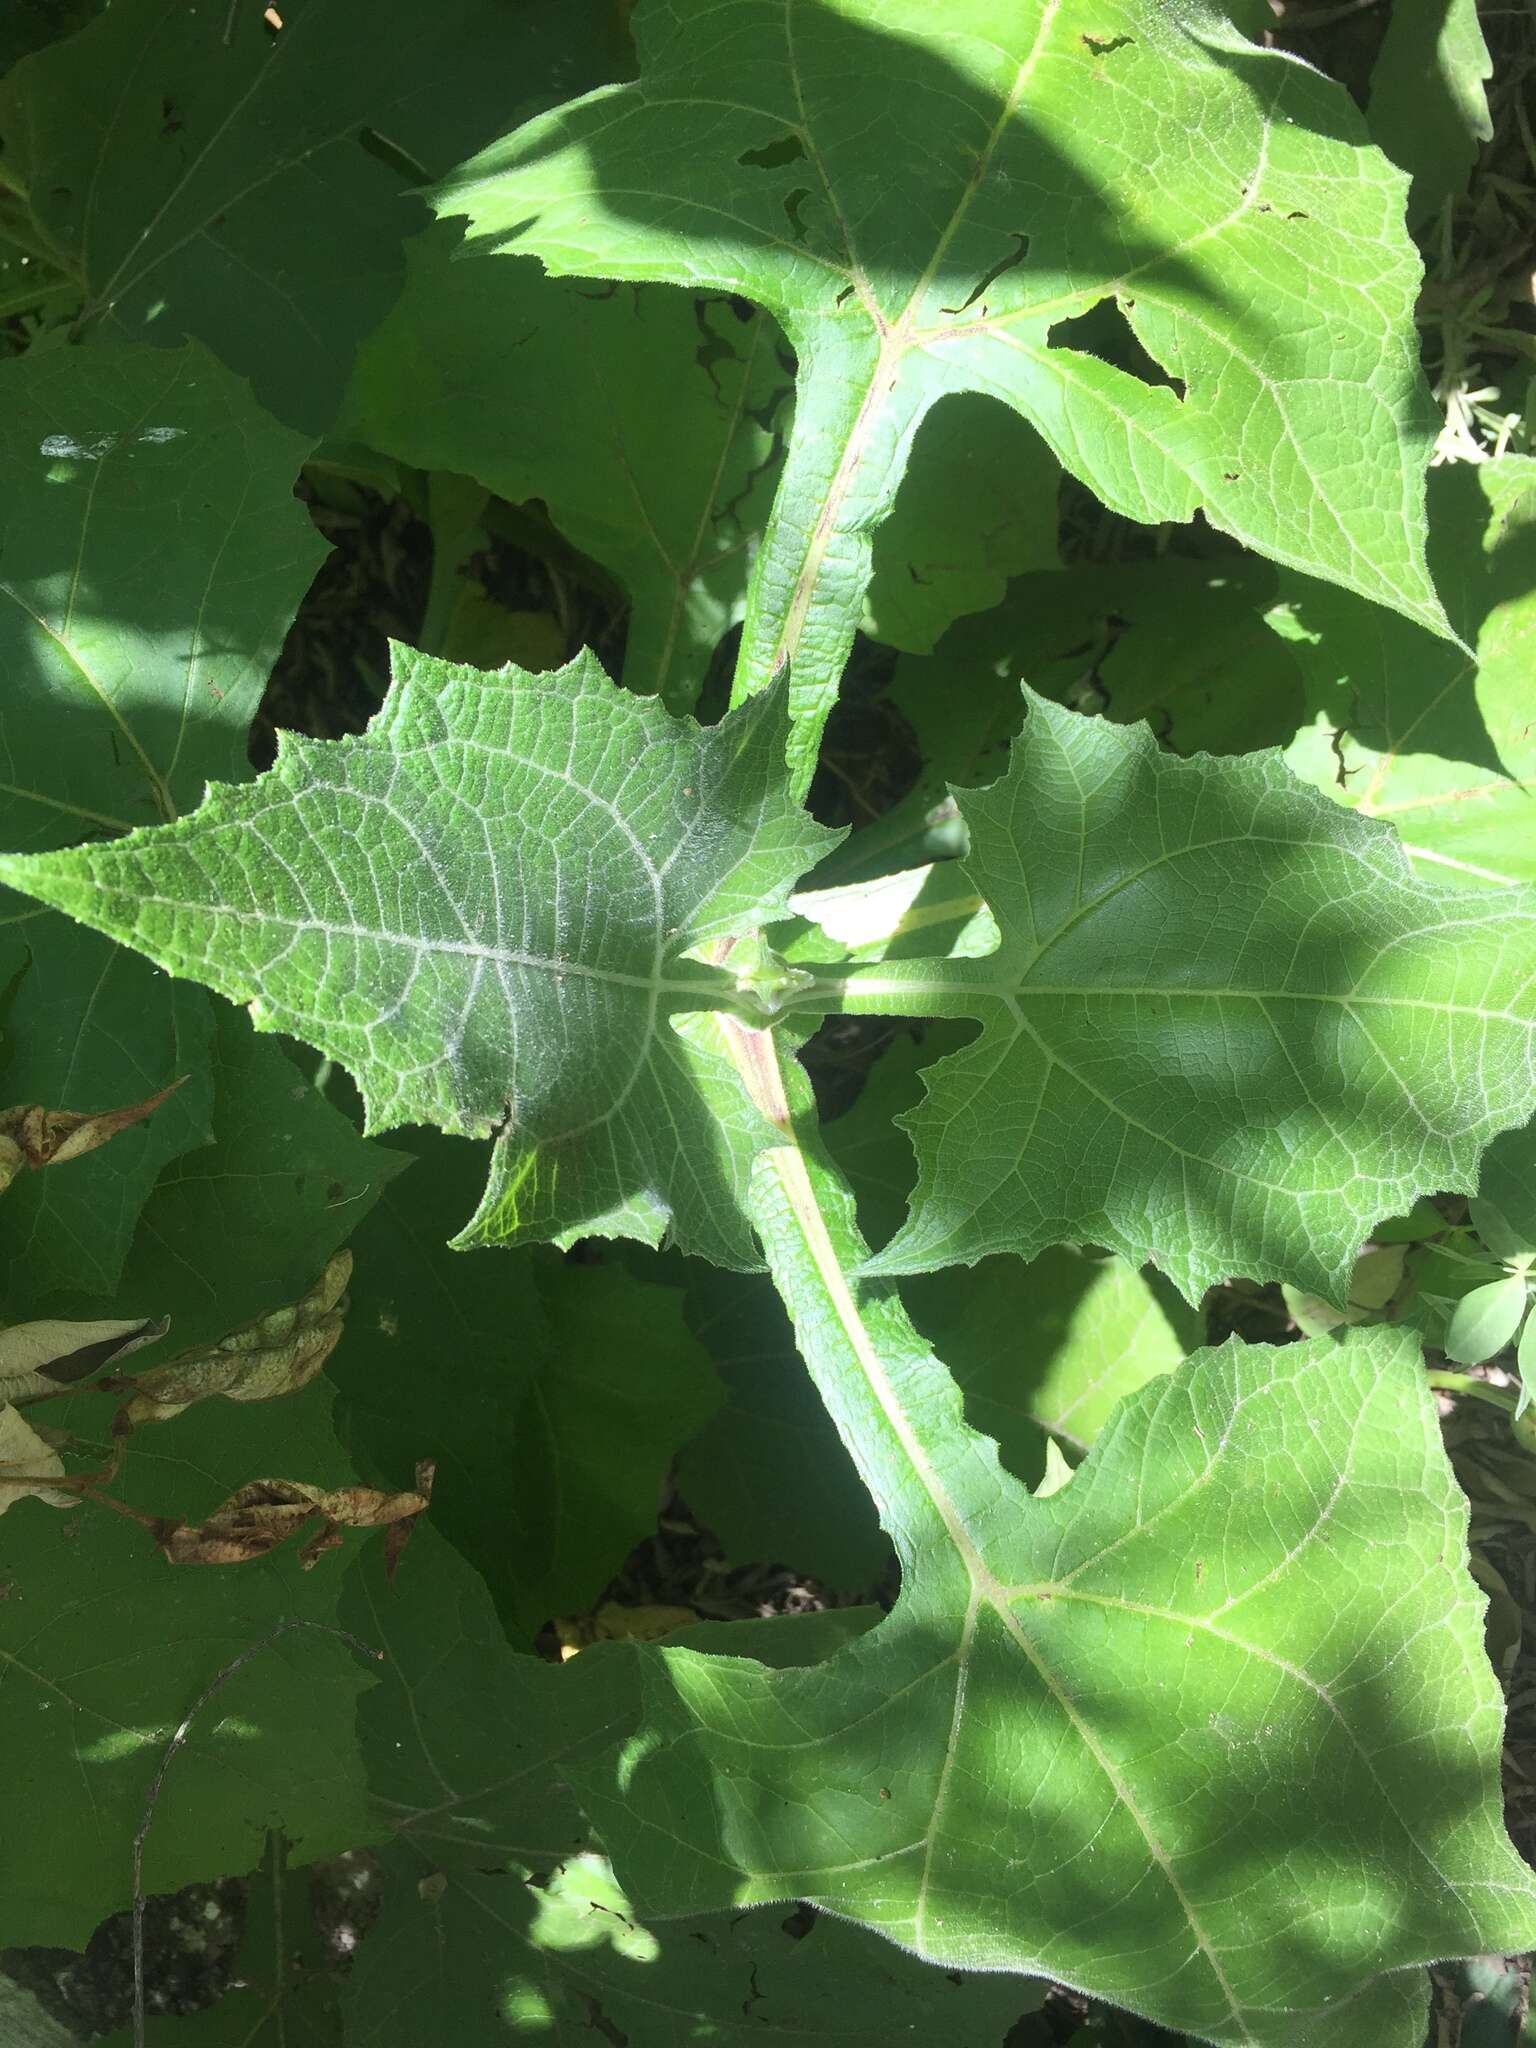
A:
(168, 155)
(489, 908)
(501, 1919)
(242, 1225)
(104, 1648)
(1082, 1737)
(1226, 1028)
(926, 207)
(150, 558)
(551, 1395)
(1404, 727)
(644, 421)
(1429, 97)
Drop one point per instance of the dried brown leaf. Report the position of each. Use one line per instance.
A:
(266, 1512)
(33, 1136)
(276, 1354)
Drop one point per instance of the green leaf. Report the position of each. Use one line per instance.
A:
(499, 1920)
(1182, 644)
(1405, 727)
(167, 155)
(651, 439)
(1493, 1227)
(151, 553)
(1226, 1028)
(1509, 1181)
(484, 907)
(105, 1648)
(1429, 99)
(552, 1394)
(1047, 1346)
(929, 211)
(1485, 1320)
(1525, 1358)
(979, 506)
(1096, 1713)
(1053, 1345)
(768, 1475)
(284, 1989)
(245, 1223)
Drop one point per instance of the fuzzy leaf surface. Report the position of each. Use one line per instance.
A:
(1226, 1030)
(924, 209)
(1073, 1745)
(481, 907)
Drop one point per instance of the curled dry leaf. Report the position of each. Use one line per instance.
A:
(265, 1512)
(24, 1454)
(40, 1358)
(33, 1136)
(276, 1354)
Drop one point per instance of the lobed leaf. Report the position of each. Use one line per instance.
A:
(1436, 739)
(488, 908)
(651, 441)
(501, 1918)
(931, 210)
(1080, 1740)
(1226, 1029)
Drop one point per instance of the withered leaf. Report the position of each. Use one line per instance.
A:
(33, 1136)
(24, 1454)
(39, 1358)
(266, 1512)
(276, 1354)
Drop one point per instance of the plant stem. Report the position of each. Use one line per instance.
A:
(896, 1407)
(1465, 1383)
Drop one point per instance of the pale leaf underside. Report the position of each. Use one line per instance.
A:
(485, 909)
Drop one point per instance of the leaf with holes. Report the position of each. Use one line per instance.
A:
(490, 909)
(931, 209)
(151, 554)
(495, 1901)
(1076, 1742)
(1226, 1029)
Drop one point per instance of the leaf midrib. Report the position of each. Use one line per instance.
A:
(788, 1163)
